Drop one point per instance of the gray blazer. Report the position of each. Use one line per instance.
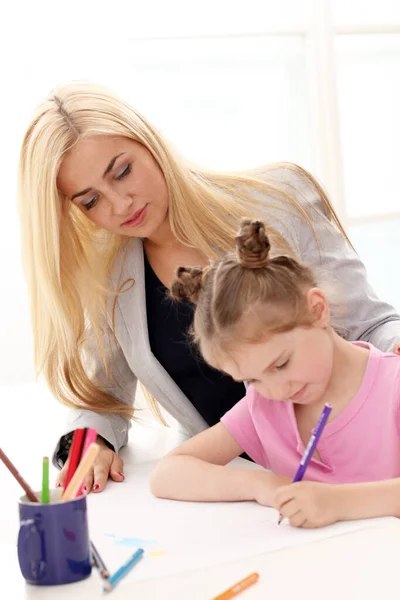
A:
(359, 315)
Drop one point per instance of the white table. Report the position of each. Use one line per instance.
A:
(361, 564)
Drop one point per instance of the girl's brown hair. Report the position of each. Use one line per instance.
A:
(247, 283)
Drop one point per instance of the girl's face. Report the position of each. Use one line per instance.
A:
(117, 183)
(294, 366)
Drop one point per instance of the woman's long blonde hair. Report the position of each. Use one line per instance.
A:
(68, 261)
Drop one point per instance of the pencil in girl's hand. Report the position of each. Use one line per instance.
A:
(45, 481)
(27, 489)
(98, 562)
(81, 472)
(312, 444)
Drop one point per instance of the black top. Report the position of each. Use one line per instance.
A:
(210, 391)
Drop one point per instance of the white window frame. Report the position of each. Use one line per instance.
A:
(319, 38)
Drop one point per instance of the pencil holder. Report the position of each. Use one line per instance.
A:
(53, 540)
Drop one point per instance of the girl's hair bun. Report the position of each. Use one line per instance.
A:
(188, 284)
(252, 244)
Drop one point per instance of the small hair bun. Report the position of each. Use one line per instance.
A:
(188, 284)
(252, 244)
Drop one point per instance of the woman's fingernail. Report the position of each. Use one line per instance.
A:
(96, 487)
(84, 488)
(121, 475)
(58, 484)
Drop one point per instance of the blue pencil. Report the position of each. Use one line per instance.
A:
(312, 444)
(122, 571)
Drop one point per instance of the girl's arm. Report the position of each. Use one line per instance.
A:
(367, 500)
(195, 471)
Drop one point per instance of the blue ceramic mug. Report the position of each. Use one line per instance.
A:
(53, 540)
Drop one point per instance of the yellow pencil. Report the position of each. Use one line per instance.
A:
(81, 472)
(238, 587)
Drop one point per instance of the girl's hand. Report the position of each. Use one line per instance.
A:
(266, 485)
(107, 464)
(309, 504)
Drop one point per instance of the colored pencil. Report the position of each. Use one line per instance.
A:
(74, 455)
(82, 444)
(98, 562)
(27, 489)
(89, 438)
(311, 446)
(81, 472)
(122, 571)
(238, 587)
(45, 481)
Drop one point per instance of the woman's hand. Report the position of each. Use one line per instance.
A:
(396, 348)
(309, 504)
(107, 464)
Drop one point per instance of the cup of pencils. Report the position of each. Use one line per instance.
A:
(53, 538)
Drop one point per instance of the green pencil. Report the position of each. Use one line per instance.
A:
(45, 481)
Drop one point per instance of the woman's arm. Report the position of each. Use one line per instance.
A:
(112, 428)
(195, 471)
(357, 312)
(120, 383)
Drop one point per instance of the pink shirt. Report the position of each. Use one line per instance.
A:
(360, 444)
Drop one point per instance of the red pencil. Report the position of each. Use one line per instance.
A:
(74, 455)
(27, 489)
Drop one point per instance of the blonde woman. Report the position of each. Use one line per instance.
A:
(108, 212)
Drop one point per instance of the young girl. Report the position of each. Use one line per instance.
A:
(265, 321)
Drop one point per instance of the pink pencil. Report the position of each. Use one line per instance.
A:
(90, 438)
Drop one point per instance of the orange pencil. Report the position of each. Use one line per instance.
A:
(80, 473)
(238, 587)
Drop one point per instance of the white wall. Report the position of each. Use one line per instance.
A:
(231, 89)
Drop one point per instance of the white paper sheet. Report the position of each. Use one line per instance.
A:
(183, 536)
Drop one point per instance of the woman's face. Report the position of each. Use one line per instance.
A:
(117, 184)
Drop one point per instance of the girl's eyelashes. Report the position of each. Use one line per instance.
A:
(283, 365)
(124, 173)
(277, 367)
